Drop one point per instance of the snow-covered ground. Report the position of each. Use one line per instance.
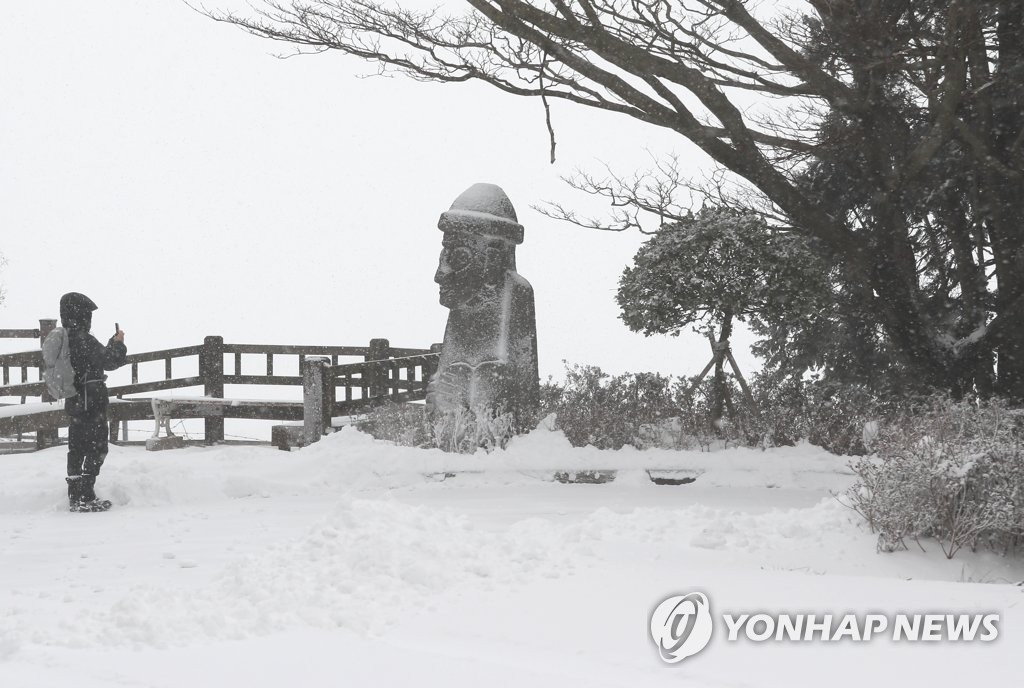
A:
(357, 563)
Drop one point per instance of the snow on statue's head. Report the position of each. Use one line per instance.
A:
(481, 231)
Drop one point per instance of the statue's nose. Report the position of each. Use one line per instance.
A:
(442, 272)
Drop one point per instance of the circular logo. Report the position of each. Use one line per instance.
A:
(681, 626)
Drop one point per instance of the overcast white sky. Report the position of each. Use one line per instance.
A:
(193, 184)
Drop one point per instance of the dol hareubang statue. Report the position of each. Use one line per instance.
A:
(489, 358)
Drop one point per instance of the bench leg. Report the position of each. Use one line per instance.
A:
(156, 419)
(161, 418)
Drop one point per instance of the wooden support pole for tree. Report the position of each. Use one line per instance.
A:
(211, 370)
(743, 383)
(721, 403)
(703, 374)
(722, 350)
(715, 358)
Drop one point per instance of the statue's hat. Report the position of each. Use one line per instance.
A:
(483, 209)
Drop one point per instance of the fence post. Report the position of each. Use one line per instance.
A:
(380, 349)
(317, 397)
(46, 326)
(211, 370)
(330, 394)
(46, 436)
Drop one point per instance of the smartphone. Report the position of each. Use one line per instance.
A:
(117, 327)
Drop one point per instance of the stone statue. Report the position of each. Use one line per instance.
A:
(489, 357)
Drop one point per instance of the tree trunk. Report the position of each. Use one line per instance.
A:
(974, 369)
(1003, 197)
(720, 387)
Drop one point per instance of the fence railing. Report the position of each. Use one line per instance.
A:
(385, 373)
(24, 360)
(377, 380)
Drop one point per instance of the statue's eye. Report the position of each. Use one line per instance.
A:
(459, 257)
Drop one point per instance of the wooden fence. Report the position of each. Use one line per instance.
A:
(46, 433)
(329, 388)
(24, 360)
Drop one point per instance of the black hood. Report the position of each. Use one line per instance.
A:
(76, 311)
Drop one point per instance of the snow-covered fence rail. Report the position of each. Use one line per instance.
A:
(385, 373)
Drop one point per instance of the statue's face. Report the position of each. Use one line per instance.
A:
(470, 267)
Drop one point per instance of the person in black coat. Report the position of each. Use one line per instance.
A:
(87, 430)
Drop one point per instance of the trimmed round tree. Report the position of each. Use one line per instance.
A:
(721, 265)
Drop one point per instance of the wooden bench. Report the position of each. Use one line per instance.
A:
(18, 418)
(167, 408)
(47, 417)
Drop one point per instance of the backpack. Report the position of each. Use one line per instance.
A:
(58, 374)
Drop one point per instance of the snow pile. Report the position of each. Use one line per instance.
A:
(362, 567)
(369, 563)
(251, 566)
(367, 560)
(351, 462)
(542, 452)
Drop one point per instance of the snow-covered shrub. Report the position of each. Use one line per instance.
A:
(835, 414)
(550, 396)
(782, 417)
(828, 414)
(403, 424)
(697, 427)
(608, 412)
(650, 410)
(779, 419)
(946, 470)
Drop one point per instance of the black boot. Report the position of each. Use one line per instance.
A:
(86, 494)
(74, 492)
